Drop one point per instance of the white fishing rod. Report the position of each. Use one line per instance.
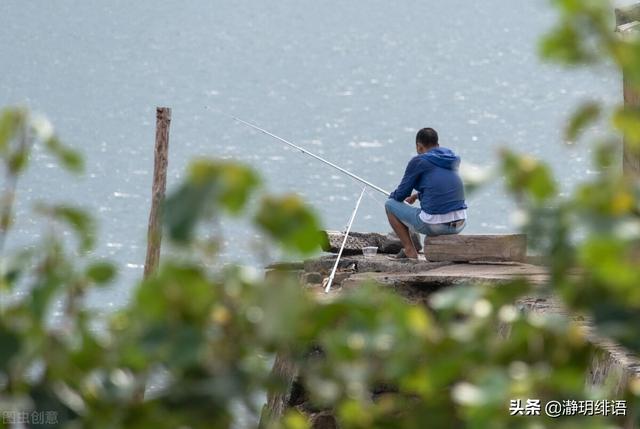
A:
(344, 242)
(303, 150)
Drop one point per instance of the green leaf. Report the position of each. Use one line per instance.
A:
(77, 219)
(18, 159)
(90, 355)
(81, 222)
(291, 223)
(526, 175)
(585, 115)
(12, 129)
(43, 294)
(564, 45)
(626, 52)
(611, 262)
(68, 158)
(175, 292)
(10, 122)
(230, 183)
(101, 272)
(183, 209)
(353, 413)
(212, 186)
(10, 347)
(627, 121)
(293, 419)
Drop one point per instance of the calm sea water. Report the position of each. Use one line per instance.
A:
(352, 81)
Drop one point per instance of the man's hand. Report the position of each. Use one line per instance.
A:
(412, 199)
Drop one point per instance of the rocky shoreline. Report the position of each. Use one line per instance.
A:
(416, 281)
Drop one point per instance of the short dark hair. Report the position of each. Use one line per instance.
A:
(427, 137)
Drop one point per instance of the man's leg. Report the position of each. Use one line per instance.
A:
(403, 234)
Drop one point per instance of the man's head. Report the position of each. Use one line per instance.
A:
(426, 139)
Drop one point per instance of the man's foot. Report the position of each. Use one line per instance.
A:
(402, 255)
(412, 255)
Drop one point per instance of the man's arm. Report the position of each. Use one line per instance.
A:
(409, 180)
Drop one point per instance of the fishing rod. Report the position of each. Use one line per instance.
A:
(344, 242)
(303, 150)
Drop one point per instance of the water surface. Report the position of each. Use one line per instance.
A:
(352, 81)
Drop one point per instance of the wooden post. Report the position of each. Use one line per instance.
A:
(284, 370)
(628, 24)
(154, 234)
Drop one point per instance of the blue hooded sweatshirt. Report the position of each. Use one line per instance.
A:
(434, 175)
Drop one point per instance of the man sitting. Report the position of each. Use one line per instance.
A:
(434, 174)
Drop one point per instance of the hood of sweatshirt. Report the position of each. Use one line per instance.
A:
(443, 158)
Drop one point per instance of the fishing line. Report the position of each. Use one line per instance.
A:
(306, 152)
(375, 198)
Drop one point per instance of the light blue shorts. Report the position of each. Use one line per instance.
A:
(410, 216)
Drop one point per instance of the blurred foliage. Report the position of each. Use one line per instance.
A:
(288, 220)
(211, 186)
(206, 335)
